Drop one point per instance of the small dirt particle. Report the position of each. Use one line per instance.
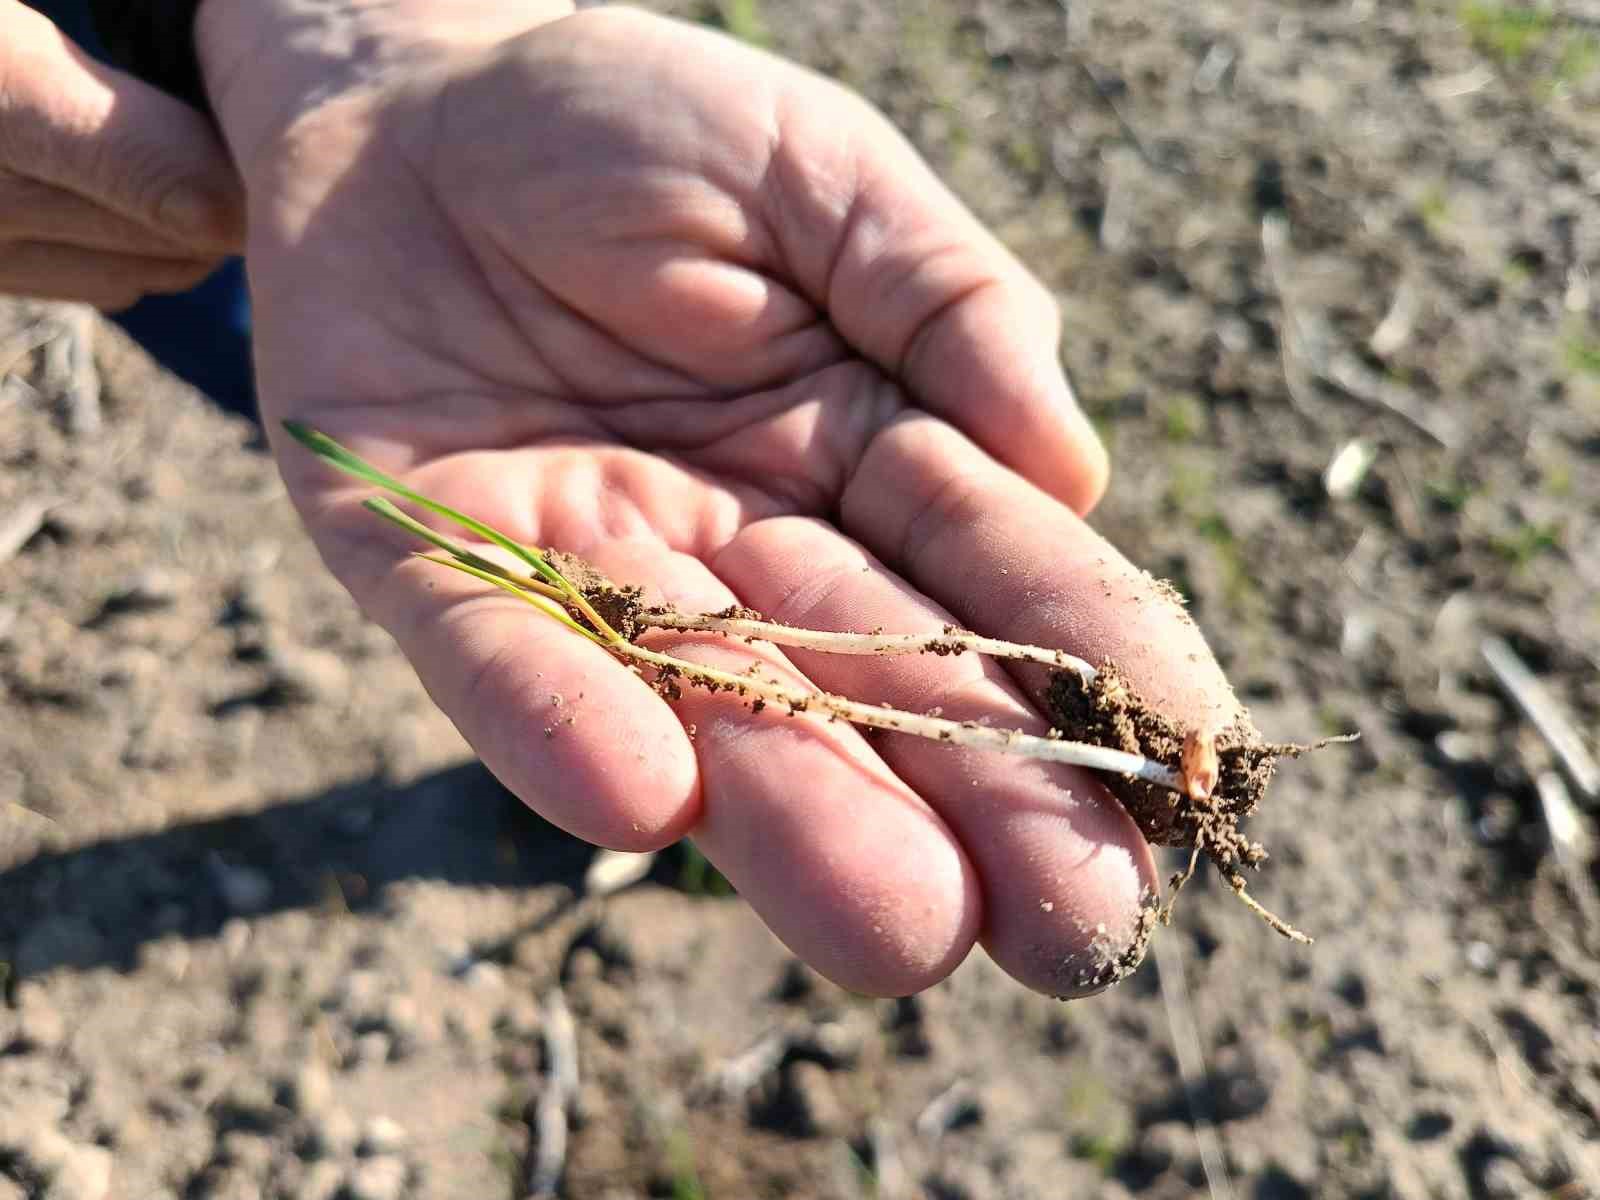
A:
(301, 676)
(377, 1179)
(151, 589)
(75, 1171)
(371, 1049)
(814, 1107)
(40, 1025)
(483, 975)
(307, 1091)
(381, 1136)
(321, 1182)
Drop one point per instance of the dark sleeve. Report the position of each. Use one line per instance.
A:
(154, 41)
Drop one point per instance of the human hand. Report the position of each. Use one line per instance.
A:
(109, 190)
(623, 287)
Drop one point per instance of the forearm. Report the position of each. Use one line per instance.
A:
(266, 61)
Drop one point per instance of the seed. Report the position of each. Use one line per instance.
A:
(1199, 765)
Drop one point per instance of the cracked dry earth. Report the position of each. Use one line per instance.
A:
(266, 931)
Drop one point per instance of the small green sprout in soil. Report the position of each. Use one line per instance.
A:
(1527, 541)
(1184, 787)
(696, 875)
(1578, 60)
(742, 19)
(1581, 354)
(1183, 419)
(1507, 33)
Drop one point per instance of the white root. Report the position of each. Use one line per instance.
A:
(938, 729)
(948, 641)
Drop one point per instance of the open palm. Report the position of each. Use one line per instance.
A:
(627, 289)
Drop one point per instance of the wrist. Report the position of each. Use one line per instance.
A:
(267, 62)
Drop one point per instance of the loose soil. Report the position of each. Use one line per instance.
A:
(1108, 712)
(267, 931)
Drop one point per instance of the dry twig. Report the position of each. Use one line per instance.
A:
(1546, 715)
(1308, 339)
(1573, 843)
(17, 344)
(19, 526)
(1394, 331)
(889, 1178)
(944, 1112)
(736, 1076)
(1191, 1063)
(70, 374)
(550, 1116)
(612, 871)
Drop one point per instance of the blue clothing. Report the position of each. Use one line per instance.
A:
(202, 335)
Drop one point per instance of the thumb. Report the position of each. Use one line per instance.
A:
(916, 283)
(113, 139)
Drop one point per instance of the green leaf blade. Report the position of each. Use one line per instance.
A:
(336, 455)
(549, 607)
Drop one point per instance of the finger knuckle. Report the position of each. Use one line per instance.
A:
(22, 202)
(133, 175)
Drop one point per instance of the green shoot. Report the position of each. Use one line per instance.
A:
(536, 599)
(389, 512)
(332, 453)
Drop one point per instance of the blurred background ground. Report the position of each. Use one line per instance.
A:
(266, 930)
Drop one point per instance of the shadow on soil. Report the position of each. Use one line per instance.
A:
(96, 905)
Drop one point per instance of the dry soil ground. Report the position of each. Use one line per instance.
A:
(265, 931)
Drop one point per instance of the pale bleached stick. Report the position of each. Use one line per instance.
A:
(16, 344)
(735, 1077)
(1191, 1064)
(19, 526)
(1541, 709)
(1574, 847)
(1312, 339)
(550, 1117)
(946, 1110)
